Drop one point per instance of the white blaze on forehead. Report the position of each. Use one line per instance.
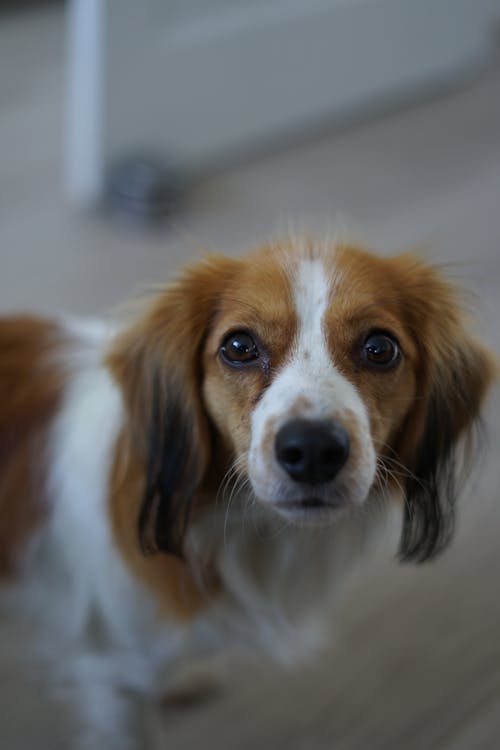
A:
(312, 289)
(309, 371)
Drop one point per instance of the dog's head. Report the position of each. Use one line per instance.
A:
(320, 373)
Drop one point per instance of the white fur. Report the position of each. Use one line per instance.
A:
(281, 581)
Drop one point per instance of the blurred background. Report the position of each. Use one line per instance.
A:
(134, 133)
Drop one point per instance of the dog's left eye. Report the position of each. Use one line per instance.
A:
(380, 350)
(239, 348)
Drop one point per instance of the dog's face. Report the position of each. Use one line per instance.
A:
(308, 373)
(321, 373)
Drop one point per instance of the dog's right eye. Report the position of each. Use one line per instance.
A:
(239, 348)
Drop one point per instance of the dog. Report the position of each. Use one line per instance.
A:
(211, 470)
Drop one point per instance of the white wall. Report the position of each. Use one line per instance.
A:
(194, 80)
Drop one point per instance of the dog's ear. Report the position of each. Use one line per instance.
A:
(454, 375)
(157, 363)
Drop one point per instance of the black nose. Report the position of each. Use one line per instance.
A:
(312, 451)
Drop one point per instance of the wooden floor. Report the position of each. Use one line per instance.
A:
(415, 655)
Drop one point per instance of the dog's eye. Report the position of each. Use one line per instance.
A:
(380, 350)
(239, 348)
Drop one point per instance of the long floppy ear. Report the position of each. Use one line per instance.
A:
(157, 364)
(454, 377)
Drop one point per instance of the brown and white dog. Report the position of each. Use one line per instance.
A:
(209, 470)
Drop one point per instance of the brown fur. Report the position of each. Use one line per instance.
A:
(157, 364)
(30, 389)
(259, 299)
(422, 408)
(179, 591)
(413, 301)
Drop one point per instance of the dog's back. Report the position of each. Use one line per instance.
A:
(31, 384)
